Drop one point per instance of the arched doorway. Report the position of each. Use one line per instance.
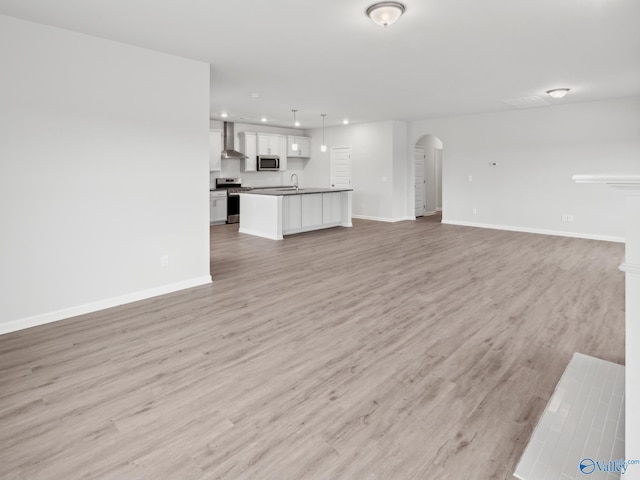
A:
(428, 176)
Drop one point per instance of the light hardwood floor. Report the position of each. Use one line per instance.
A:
(400, 351)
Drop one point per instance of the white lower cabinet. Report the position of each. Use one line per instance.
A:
(217, 207)
(311, 210)
(331, 208)
(291, 213)
(301, 213)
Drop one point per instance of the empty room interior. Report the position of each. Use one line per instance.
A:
(320, 240)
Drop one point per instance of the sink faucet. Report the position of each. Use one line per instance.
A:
(295, 184)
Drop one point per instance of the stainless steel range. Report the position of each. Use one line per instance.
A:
(233, 186)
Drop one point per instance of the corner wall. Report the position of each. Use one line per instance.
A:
(537, 151)
(378, 166)
(103, 170)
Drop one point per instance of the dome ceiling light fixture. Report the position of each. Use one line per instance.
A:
(558, 92)
(385, 13)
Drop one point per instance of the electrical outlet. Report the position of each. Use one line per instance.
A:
(569, 218)
(164, 261)
(563, 218)
(474, 210)
(470, 178)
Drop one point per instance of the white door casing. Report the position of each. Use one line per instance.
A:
(341, 167)
(430, 181)
(420, 185)
(438, 179)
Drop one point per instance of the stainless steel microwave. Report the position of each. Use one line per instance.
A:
(268, 162)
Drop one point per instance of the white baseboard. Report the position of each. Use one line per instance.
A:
(382, 219)
(558, 233)
(258, 234)
(50, 317)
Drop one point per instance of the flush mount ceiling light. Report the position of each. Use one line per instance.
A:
(385, 13)
(558, 92)
(323, 147)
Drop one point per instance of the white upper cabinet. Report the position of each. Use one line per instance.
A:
(303, 144)
(270, 144)
(215, 150)
(248, 146)
(282, 148)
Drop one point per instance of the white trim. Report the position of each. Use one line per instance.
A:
(50, 317)
(614, 180)
(558, 233)
(383, 219)
(259, 234)
(629, 268)
(438, 209)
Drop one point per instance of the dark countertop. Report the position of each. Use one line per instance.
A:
(276, 192)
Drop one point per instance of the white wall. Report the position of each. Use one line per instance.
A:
(378, 160)
(232, 168)
(537, 151)
(103, 169)
(400, 161)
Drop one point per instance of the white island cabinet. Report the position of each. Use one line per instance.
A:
(274, 213)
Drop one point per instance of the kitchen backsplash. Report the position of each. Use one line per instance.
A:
(231, 169)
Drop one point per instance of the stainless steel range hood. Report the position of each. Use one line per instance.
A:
(229, 139)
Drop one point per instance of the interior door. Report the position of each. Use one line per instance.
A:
(341, 167)
(420, 181)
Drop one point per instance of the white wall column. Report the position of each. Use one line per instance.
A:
(630, 185)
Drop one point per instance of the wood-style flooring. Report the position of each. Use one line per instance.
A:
(402, 351)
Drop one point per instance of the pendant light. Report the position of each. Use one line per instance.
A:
(323, 147)
(294, 145)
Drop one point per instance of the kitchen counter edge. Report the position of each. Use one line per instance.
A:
(302, 191)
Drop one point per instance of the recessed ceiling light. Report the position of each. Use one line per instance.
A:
(224, 114)
(558, 92)
(263, 119)
(385, 13)
(345, 121)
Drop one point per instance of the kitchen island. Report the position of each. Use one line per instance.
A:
(275, 212)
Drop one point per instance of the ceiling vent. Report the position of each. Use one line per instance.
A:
(526, 102)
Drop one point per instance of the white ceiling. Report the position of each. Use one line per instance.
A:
(442, 58)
